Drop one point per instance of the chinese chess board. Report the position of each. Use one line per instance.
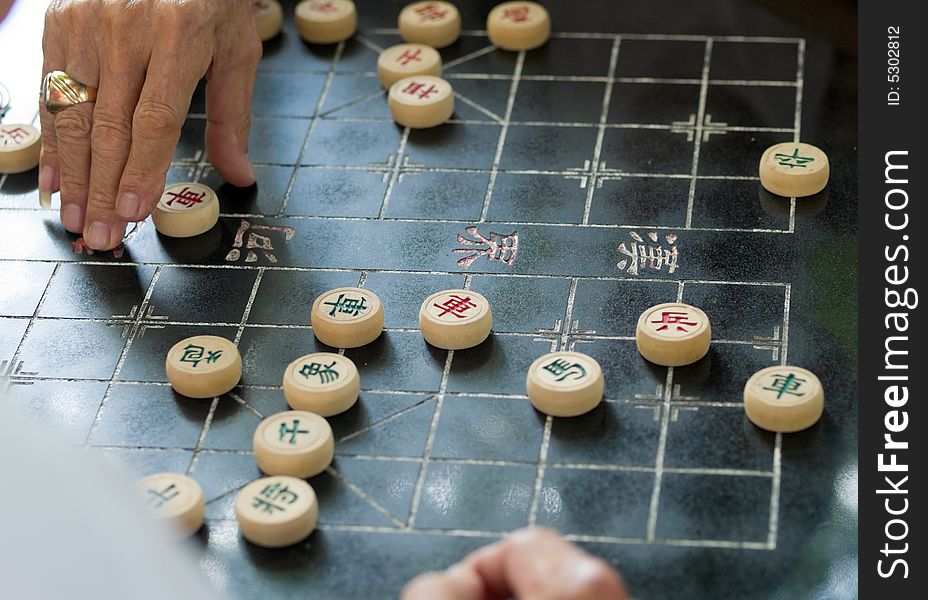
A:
(575, 186)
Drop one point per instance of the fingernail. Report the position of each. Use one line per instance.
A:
(72, 217)
(252, 174)
(97, 236)
(46, 180)
(128, 206)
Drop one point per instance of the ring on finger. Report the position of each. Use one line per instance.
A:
(61, 91)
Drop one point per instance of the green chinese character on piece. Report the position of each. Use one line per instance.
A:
(562, 369)
(325, 373)
(275, 492)
(793, 160)
(349, 306)
(158, 499)
(293, 431)
(193, 354)
(786, 384)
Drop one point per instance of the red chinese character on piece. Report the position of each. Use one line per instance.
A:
(455, 306)
(16, 136)
(431, 12)
(261, 5)
(408, 56)
(670, 317)
(323, 7)
(186, 197)
(516, 13)
(414, 87)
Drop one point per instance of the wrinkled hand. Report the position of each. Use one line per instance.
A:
(531, 564)
(110, 158)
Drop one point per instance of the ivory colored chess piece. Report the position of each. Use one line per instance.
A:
(203, 366)
(565, 384)
(186, 210)
(326, 21)
(276, 511)
(323, 383)
(518, 25)
(20, 146)
(455, 319)
(673, 334)
(175, 499)
(269, 17)
(784, 399)
(295, 443)
(794, 169)
(435, 24)
(421, 101)
(407, 60)
(347, 317)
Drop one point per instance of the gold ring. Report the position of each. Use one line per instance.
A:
(61, 91)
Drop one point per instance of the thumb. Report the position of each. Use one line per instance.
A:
(231, 81)
(457, 583)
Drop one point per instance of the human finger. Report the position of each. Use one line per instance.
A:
(457, 583)
(229, 90)
(121, 81)
(539, 564)
(156, 127)
(49, 168)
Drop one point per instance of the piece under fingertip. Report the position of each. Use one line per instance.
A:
(127, 206)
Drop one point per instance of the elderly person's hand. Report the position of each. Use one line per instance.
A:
(110, 158)
(530, 564)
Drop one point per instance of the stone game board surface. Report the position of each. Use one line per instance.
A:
(577, 184)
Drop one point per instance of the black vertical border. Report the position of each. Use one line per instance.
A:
(886, 257)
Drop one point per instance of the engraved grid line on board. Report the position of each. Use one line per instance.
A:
(394, 162)
(754, 474)
(661, 37)
(698, 132)
(665, 408)
(130, 337)
(469, 57)
(338, 107)
(716, 127)
(330, 74)
(214, 403)
(494, 535)
(298, 269)
(797, 116)
(368, 43)
(433, 431)
(638, 400)
(545, 78)
(364, 496)
(773, 528)
(596, 164)
(32, 319)
(503, 132)
(559, 342)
